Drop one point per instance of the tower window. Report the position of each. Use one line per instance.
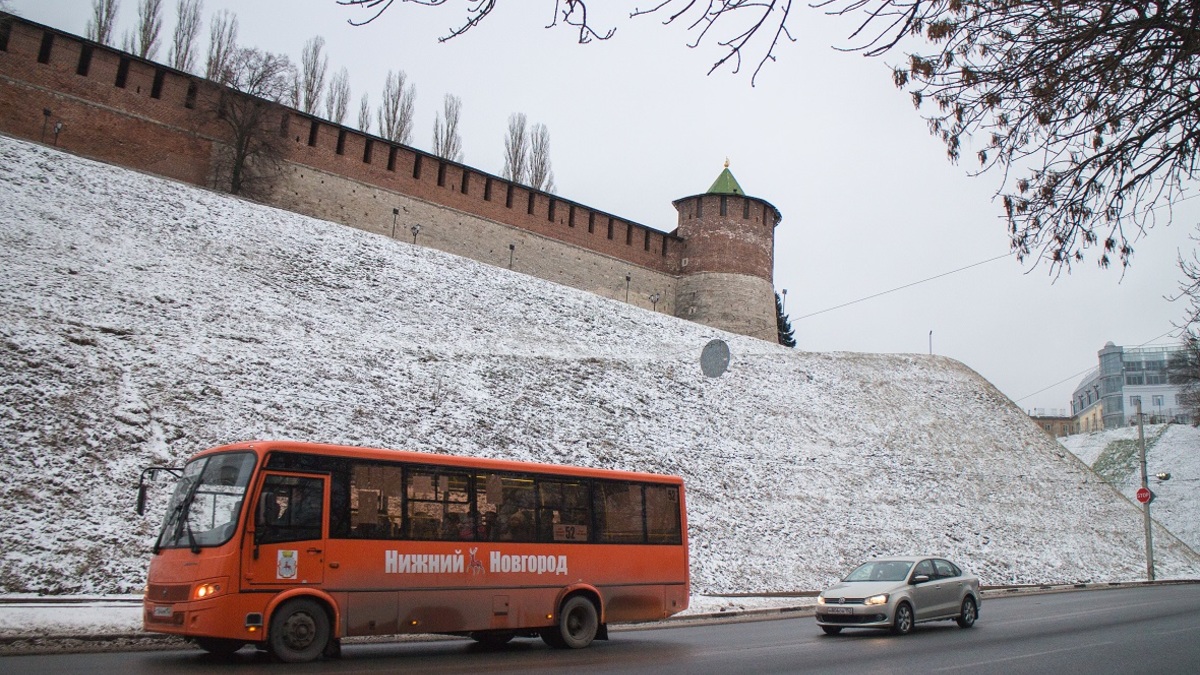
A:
(591, 222)
(610, 227)
(724, 205)
(122, 73)
(341, 145)
(550, 209)
(441, 174)
(189, 102)
(417, 168)
(699, 206)
(312, 133)
(391, 165)
(487, 189)
(508, 197)
(465, 181)
(156, 89)
(367, 151)
(529, 209)
(745, 209)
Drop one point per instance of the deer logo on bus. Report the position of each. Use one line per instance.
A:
(476, 565)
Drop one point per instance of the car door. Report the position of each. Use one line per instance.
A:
(924, 593)
(287, 543)
(948, 587)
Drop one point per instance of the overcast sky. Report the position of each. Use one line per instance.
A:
(869, 201)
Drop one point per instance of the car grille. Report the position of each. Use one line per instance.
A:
(851, 618)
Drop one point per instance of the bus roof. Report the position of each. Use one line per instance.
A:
(262, 447)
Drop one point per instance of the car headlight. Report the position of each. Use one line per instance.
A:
(880, 599)
(820, 599)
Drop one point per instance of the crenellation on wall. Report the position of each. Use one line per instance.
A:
(165, 121)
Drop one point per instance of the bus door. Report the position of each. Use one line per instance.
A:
(287, 543)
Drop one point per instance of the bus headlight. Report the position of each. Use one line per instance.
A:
(207, 590)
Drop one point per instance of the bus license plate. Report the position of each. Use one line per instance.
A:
(162, 611)
(839, 610)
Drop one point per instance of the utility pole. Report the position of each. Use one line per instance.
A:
(1146, 505)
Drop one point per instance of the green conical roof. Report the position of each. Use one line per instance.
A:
(726, 184)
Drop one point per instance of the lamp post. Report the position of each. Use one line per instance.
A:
(58, 127)
(1145, 504)
(511, 249)
(654, 298)
(416, 228)
(627, 278)
(931, 343)
(395, 215)
(45, 121)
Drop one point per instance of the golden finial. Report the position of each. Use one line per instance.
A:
(726, 162)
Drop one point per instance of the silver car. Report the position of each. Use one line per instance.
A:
(897, 593)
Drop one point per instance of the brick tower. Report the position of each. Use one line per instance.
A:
(728, 259)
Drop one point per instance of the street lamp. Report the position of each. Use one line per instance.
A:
(654, 298)
(57, 128)
(395, 215)
(416, 228)
(511, 249)
(783, 303)
(627, 277)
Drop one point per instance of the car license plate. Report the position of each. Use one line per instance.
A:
(839, 610)
(162, 611)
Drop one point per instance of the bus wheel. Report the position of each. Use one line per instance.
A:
(299, 631)
(219, 646)
(577, 624)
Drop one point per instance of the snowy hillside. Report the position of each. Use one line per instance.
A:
(142, 320)
(1173, 449)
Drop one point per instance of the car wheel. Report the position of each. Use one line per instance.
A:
(831, 630)
(966, 617)
(299, 631)
(903, 624)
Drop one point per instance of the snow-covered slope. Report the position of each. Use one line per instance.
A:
(1170, 449)
(142, 320)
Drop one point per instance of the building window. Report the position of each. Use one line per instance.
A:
(156, 89)
(341, 146)
(699, 206)
(441, 174)
(285, 122)
(571, 216)
(1156, 401)
(508, 196)
(189, 102)
(550, 210)
(529, 208)
(367, 151)
(724, 205)
(591, 222)
(465, 181)
(1135, 401)
(47, 45)
(628, 234)
(85, 61)
(646, 244)
(312, 133)
(392, 158)
(417, 168)
(745, 209)
(610, 228)
(487, 189)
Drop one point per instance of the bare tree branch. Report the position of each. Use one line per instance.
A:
(222, 45)
(398, 108)
(309, 81)
(516, 149)
(183, 41)
(447, 142)
(149, 25)
(337, 99)
(100, 26)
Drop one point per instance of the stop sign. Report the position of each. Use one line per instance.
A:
(1144, 495)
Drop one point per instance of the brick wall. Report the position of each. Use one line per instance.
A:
(118, 108)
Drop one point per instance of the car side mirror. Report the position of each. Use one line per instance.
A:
(920, 579)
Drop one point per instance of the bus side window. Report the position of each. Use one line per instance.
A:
(290, 509)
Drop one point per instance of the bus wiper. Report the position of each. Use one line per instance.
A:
(192, 539)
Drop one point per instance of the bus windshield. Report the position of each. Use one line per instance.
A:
(207, 501)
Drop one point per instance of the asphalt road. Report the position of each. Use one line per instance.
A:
(1143, 629)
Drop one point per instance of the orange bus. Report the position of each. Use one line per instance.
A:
(292, 546)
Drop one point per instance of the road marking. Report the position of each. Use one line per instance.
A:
(1022, 656)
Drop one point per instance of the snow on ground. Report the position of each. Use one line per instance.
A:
(1173, 449)
(143, 320)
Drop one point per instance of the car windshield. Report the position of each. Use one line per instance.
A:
(207, 501)
(881, 570)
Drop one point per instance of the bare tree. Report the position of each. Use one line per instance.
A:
(1089, 110)
(222, 44)
(447, 142)
(183, 42)
(397, 109)
(337, 98)
(364, 115)
(516, 149)
(149, 25)
(255, 144)
(541, 176)
(309, 80)
(100, 26)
